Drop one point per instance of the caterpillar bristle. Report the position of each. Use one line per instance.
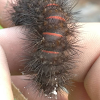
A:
(51, 42)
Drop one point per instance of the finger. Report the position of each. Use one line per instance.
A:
(78, 92)
(12, 45)
(28, 90)
(5, 81)
(4, 15)
(89, 43)
(92, 81)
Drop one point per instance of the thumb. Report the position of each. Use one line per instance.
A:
(5, 81)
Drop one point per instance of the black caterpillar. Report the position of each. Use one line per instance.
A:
(51, 42)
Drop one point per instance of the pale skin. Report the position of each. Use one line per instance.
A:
(86, 80)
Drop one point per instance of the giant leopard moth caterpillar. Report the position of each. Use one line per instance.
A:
(51, 42)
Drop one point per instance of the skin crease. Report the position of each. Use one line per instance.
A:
(86, 80)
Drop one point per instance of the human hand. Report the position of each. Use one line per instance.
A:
(5, 80)
(86, 80)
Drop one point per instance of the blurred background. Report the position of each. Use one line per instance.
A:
(89, 10)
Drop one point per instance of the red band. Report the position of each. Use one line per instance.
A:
(54, 34)
(52, 4)
(56, 17)
(52, 52)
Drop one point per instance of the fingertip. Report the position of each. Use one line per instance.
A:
(5, 81)
(92, 81)
(4, 69)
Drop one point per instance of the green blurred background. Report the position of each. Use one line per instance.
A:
(0, 27)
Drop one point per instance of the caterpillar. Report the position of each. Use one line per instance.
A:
(50, 44)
